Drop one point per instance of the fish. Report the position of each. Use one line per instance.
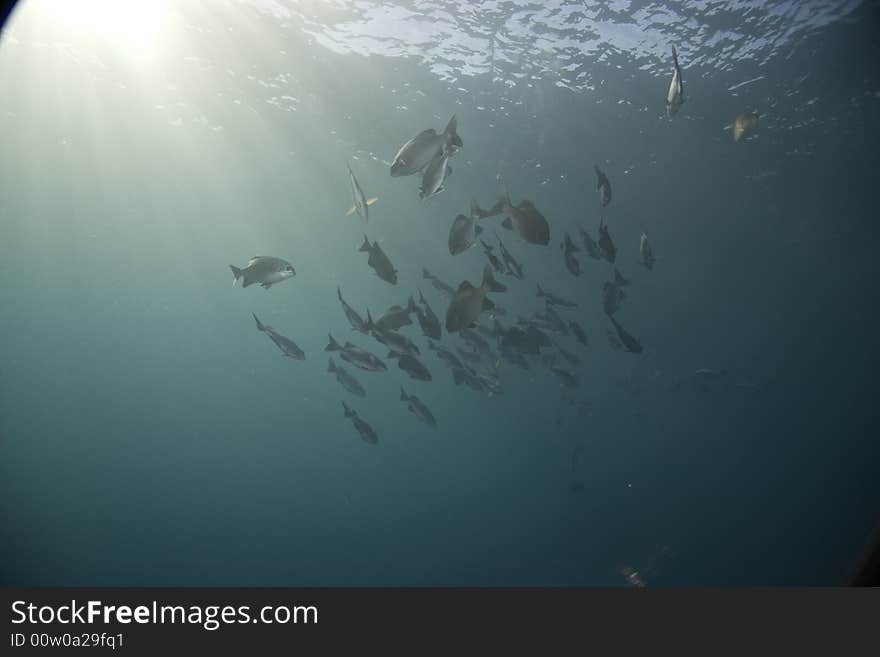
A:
(287, 346)
(522, 340)
(265, 270)
(477, 342)
(630, 343)
(435, 175)
(471, 356)
(612, 296)
(606, 245)
(744, 124)
(437, 283)
(379, 261)
(347, 380)
(411, 365)
(646, 254)
(397, 317)
(361, 202)
(603, 185)
(573, 359)
(418, 152)
(569, 379)
(590, 245)
(559, 325)
(464, 231)
(526, 220)
(467, 376)
(468, 302)
(675, 93)
(418, 408)
(493, 259)
(554, 300)
(358, 357)
(514, 357)
(367, 433)
(445, 355)
(356, 321)
(578, 331)
(619, 280)
(568, 250)
(396, 342)
(514, 268)
(428, 320)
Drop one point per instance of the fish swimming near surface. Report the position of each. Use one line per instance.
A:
(418, 152)
(646, 254)
(606, 244)
(397, 317)
(379, 261)
(287, 346)
(361, 202)
(629, 342)
(590, 245)
(356, 321)
(578, 331)
(418, 408)
(744, 124)
(435, 175)
(675, 93)
(525, 220)
(603, 185)
(554, 300)
(468, 302)
(265, 270)
(411, 365)
(568, 250)
(346, 380)
(358, 357)
(464, 231)
(437, 283)
(428, 320)
(367, 433)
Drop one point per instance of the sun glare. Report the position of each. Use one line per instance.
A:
(131, 25)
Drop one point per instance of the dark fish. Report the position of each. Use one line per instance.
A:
(445, 355)
(514, 268)
(287, 346)
(468, 302)
(604, 186)
(628, 341)
(646, 254)
(464, 230)
(568, 250)
(569, 379)
(514, 357)
(356, 321)
(418, 152)
(347, 380)
(379, 261)
(590, 245)
(356, 356)
(367, 433)
(572, 358)
(265, 270)
(397, 317)
(517, 338)
(428, 320)
(578, 331)
(418, 408)
(391, 339)
(526, 220)
(468, 377)
(411, 365)
(553, 300)
(472, 356)
(493, 259)
(437, 283)
(606, 245)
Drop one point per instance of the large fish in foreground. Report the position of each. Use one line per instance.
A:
(418, 152)
(346, 380)
(603, 185)
(265, 270)
(418, 408)
(361, 202)
(675, 93)
(379, 261)
(435, 175)
(524, 219)
(287, 346)
(464, 231)
(467, 303)
(367, 433)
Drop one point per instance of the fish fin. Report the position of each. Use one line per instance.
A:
(403, 395)
(331, 367)
(451, 132)
(507, 223)
(332, 345)
(351, 211)
(366, 245)
(236, 273)
(370, 201)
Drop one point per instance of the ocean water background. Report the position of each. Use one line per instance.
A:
(149, 435)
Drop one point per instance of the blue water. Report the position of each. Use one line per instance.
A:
(149, 435)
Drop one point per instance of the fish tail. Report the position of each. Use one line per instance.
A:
(332, 345)
(451, 133)
(403, 395)
(236, 273)
(260, 325)
(366, 245)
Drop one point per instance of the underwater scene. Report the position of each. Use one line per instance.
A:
(433, 293)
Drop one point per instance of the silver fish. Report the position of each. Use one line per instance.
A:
(265, 270)
(367, 433)
(418, 152)
(356, 356)
(646, 254)
(435, 175)
(629, 342)
(513, 267)
(287, 346)
(361, 202)
(418, 408)
(675, 93)
(356, 321)
(603, 185)
(347, 380)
